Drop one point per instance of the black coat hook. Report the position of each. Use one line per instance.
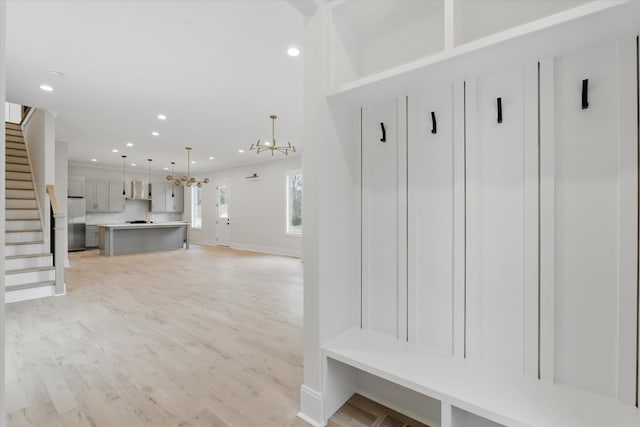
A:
(384, 133)
(499, 110)
(585, 94)
(434, 126)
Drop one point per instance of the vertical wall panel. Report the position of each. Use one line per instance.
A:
(431, 217)
(501, 160)
(384, 303)
(596, 221)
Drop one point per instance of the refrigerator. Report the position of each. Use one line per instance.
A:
(76, 214)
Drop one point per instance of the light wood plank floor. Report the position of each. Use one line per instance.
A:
(204, 337)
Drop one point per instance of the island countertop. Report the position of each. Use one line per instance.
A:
(146, 225)
(117, 239)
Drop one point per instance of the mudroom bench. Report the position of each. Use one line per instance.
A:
(469, 393)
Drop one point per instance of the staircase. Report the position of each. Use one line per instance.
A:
(29, 271)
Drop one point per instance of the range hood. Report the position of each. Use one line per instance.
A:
(139, 190)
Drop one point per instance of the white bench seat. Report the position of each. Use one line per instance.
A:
(499, 395)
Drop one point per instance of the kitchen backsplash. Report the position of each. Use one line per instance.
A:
(134, 210)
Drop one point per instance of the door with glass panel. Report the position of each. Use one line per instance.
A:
(223, 223)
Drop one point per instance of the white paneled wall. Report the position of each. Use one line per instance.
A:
(384, 217)
(501, 218)
(513, 243)
(590, 236)
(431, 163)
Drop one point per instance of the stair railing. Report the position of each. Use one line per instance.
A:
(58, 229)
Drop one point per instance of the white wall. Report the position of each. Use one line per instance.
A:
(61, 184)
(134, 209)
(3, 421)
(39, 135)
(331, 213)
(257, 207)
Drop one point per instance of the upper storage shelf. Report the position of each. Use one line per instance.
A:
(475, 19)
(372, 36)
(375, 41)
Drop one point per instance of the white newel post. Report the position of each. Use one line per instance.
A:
(60, 230)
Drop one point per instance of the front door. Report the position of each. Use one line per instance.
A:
(223, 223)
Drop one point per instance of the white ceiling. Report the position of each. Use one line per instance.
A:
(216, 68)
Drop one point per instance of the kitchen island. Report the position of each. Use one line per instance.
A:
(118, 239)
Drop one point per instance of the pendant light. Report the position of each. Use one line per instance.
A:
(149, 178)
(272, 146)
(124, 193)
(173, 184)
(187, 180)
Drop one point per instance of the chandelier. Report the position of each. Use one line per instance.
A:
(272, 146)
(188, 180)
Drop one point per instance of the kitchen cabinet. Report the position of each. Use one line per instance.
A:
(167, 197)
(91, 236)
(76, 186)
(104, 196)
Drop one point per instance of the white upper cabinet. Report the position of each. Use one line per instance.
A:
(589, 223)
(383, 218)
(167, 197)
(501, 218)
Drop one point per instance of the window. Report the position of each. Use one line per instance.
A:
(196, 207)
(294, 203)
(223, 202)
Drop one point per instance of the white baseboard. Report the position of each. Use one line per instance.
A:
(311, 407)
(64, 290)
(27, 294)
(266, 249)
(254, 248)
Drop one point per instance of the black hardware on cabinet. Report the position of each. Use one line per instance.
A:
(585, 90)
(434, 126)
(499, 110)
(384, 133)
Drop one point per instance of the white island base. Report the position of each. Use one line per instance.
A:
(119, 239)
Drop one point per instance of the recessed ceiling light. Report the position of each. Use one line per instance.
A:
(193, 162)
(56, 73)
(293, 51)
(94, 160)
(129, 144)
(166, 169)
(162, 117)
(46, 88)
(133, 164)
(115, 150)
(241, 151)
(210, 157)
(267, 143)
(154, 133)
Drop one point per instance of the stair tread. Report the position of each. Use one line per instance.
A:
(33, 242)
(38, 255)
(30, 285)
(30, 230)
(29, 270)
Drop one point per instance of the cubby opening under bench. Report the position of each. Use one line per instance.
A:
(458, 392)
